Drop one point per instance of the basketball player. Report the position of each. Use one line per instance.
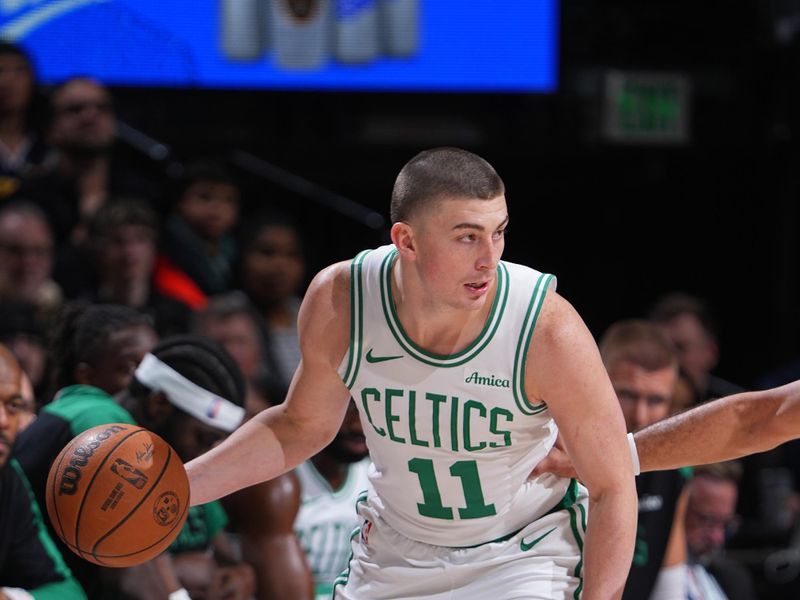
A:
(30, 564)
(464, 369)
(332, 482)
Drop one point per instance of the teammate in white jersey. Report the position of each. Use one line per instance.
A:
(461, 366)
(331, 483)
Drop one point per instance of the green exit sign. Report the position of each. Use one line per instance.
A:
(646, 107)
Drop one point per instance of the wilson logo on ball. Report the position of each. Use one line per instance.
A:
(80, 458)
(166, 509)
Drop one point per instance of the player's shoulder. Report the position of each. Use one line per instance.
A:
(330, 288)
(324, 319)
(558, 322)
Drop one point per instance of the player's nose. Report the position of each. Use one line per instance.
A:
(488, 256)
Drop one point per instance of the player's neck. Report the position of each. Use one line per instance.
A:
(436, 326)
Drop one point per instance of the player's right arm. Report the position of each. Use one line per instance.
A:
(281, 437)
(722, 430)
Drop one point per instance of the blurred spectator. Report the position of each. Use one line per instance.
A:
(273, 271)
(26, 257)
(123, 246)
(23, 332)
(27, 413)
(198, 242)
(203, 560)
(684, 396)
(262, 515)
(82, 174)
(231, 320)
(643, 367)
(30, 566)
(710, 517)
(20, 146)
(96, 351)
(687, 321)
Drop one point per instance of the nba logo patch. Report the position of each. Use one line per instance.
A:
(213, 408)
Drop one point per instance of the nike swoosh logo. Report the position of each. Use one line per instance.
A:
(525, 546)
(377, 359)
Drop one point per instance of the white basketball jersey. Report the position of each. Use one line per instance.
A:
(453, 438)
(327, 518)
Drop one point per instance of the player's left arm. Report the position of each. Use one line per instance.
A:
(564, 370)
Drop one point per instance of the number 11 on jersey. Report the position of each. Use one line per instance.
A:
(467, 471)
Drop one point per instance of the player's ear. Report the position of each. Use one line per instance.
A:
(402, 235)
(157, 409)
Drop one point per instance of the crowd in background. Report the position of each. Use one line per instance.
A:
(79, 228)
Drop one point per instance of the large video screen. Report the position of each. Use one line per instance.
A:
(393, 45)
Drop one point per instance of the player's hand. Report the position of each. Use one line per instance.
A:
(556, 462)
(237, 582)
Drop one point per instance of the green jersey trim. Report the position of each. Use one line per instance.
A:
(344, 576)
(523, 345)
(579, 531)
(442, 360)
(356, 320)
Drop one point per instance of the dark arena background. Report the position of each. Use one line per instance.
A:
(646, 147)
(714, 213)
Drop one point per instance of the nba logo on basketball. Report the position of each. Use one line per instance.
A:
(129, 473)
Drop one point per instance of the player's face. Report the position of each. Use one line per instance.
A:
(112, 372)
(709, 515)
(191, 437)
(11, 405)
(458, 245)
(350, 445)
(644, 396)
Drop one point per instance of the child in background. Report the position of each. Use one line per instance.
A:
(198, 246)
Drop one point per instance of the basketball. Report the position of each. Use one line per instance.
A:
(117, 495)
